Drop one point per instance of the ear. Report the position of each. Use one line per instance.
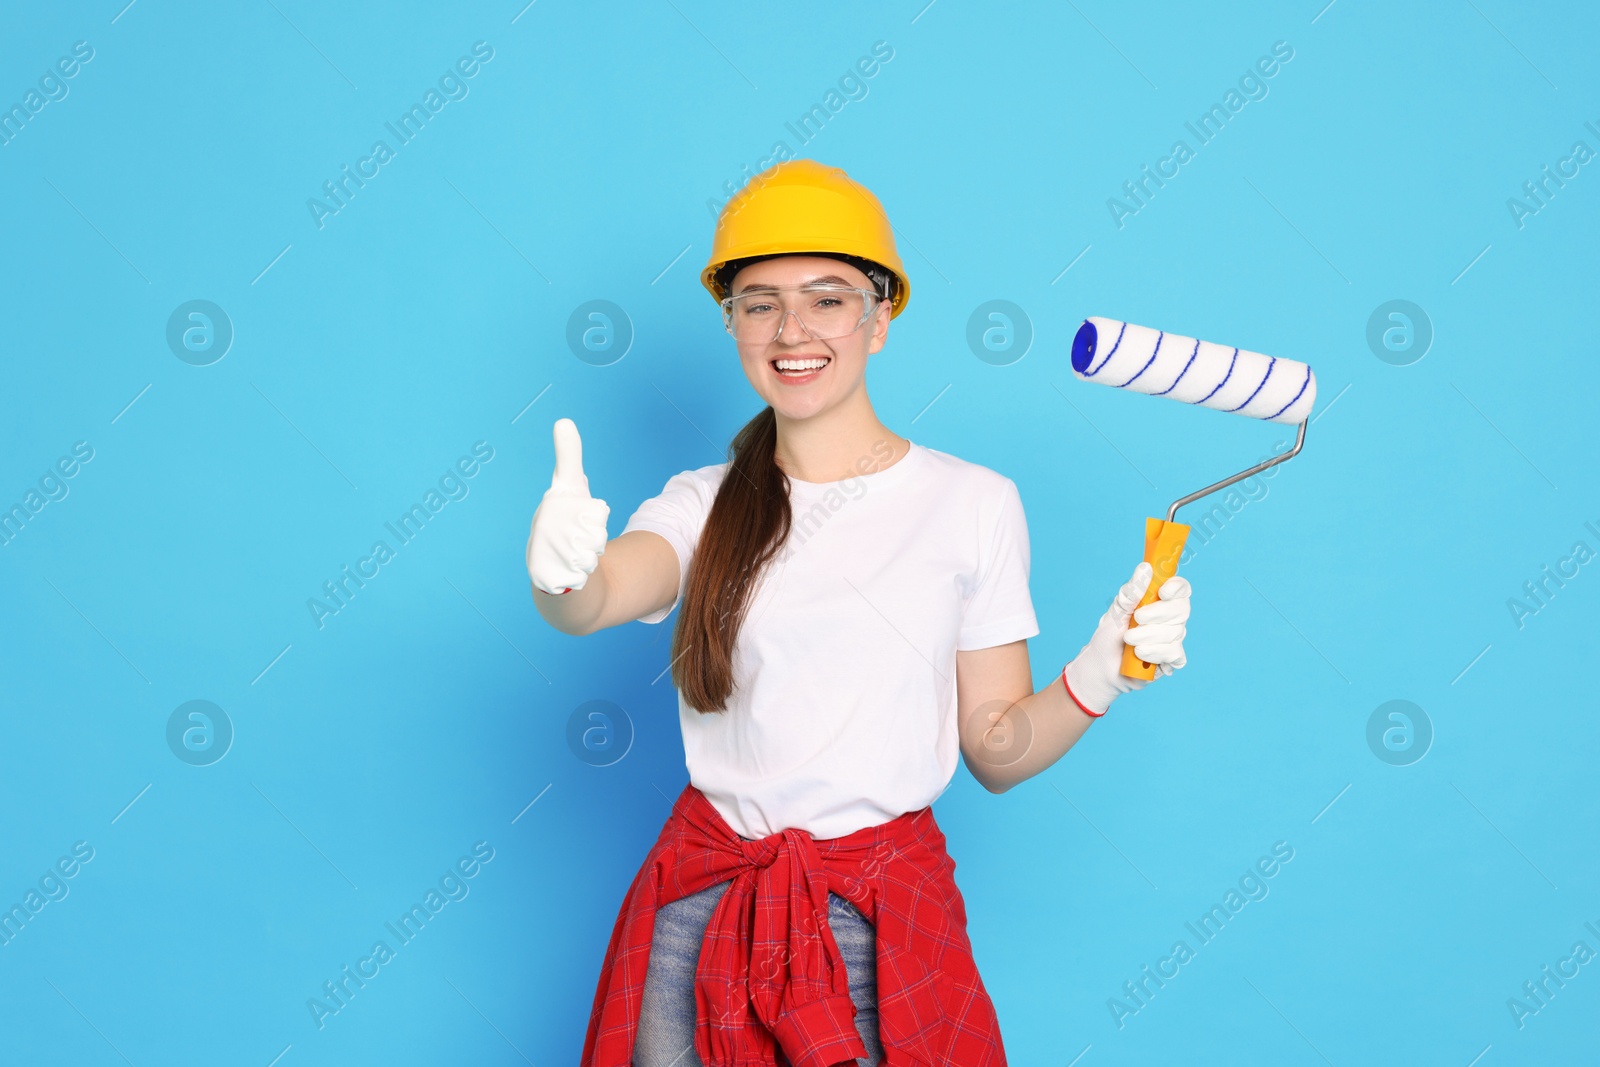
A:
(880, 327)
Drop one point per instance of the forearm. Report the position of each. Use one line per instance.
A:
(574, 612)
(1029, 736)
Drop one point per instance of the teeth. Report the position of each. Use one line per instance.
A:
(800, 364)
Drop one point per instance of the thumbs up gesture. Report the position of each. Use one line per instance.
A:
(568, 533)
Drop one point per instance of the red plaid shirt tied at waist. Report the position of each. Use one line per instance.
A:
(771, 987)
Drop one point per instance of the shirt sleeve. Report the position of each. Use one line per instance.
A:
(1001, 608)
(677, 513)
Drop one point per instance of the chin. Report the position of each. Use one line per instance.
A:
(792, 407)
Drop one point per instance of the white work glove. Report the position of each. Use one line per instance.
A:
(568, 533)
(1095, 675)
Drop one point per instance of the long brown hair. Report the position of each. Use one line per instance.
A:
(748, 524)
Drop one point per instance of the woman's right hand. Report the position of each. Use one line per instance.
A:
(568, 534)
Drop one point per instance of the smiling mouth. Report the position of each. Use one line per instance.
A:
(799, 367)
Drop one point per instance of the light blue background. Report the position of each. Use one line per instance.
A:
(428, 313)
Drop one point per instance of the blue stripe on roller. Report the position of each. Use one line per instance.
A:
(1181, 373)
(1122, 329)
(1272, 361)
(1297, 396)
(1225, 378)
(1159, 337)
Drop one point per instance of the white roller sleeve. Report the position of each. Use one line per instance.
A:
(1196, 372)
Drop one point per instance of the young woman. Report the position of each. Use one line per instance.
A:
(855, 613)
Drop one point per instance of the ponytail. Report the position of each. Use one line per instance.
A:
(748, 524)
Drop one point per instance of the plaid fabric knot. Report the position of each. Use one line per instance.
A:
(786, 981)
(763, 852)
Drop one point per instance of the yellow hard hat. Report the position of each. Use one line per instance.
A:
(801, 206)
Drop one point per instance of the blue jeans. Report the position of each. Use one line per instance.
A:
(666, 1015)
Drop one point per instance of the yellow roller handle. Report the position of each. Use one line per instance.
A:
(1163, 544)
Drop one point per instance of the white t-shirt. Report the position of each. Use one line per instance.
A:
(843, 712)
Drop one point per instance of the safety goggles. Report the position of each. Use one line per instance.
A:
(824, 311)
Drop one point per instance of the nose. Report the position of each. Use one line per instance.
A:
(804, 335)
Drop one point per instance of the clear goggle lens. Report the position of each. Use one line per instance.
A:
(824, 311)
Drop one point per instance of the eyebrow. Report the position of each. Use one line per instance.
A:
(763, 287)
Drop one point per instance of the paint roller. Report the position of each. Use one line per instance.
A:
(1222, 377)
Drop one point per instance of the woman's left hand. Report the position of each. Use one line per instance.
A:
(1157, 636)
(1094, 677)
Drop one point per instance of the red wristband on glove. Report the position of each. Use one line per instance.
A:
(1074, 696)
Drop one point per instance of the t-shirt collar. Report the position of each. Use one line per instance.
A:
(873, 479)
